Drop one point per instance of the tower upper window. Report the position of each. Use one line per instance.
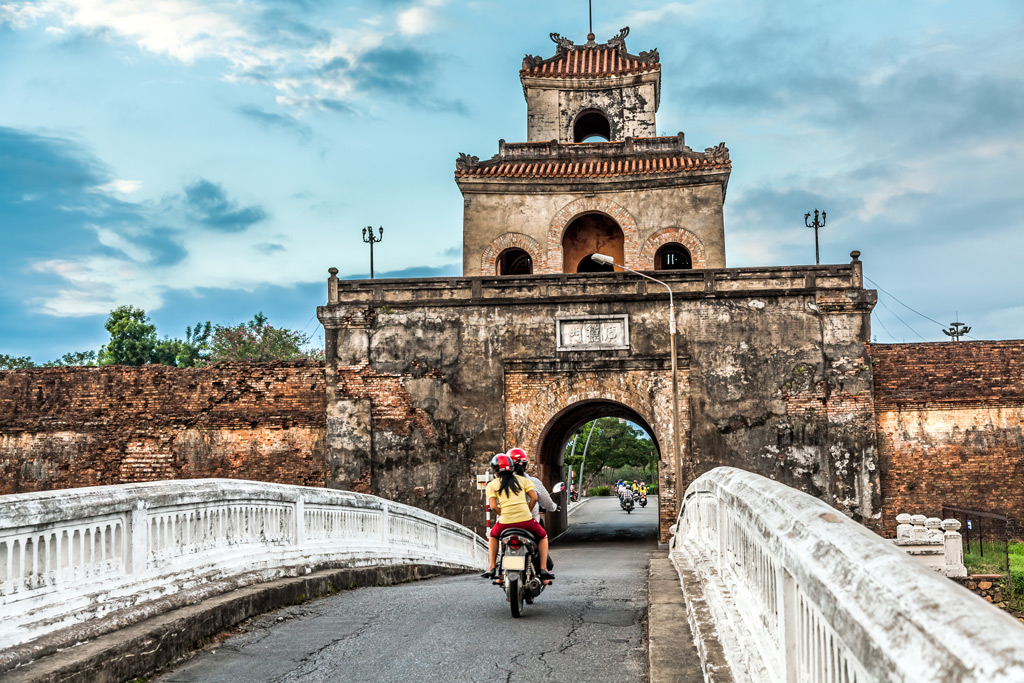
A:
(672, 256)
(591, 124)
(514, 261)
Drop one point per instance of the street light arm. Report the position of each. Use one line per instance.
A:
(608, 260)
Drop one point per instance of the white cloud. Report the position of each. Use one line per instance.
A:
(415, 21)
(119, 186)
(96, 286)
(111, 239)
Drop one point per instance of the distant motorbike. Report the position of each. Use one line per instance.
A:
(643, 500)
(627, 501)
(519, 565)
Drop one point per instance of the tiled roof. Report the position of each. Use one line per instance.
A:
(587, 61)
(596, 168)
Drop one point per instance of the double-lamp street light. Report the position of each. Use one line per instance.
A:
(609, 261)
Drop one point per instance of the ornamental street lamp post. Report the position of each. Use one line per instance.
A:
(371, 240)
(609, 261)
(817, 226)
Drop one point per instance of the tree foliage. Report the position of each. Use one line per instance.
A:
(185, 353)
(15, 362)
(613, 445)
(72, 358)
(257, 341)
(132, 338)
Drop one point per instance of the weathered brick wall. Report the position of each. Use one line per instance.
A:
(82, 426)
(949, 419)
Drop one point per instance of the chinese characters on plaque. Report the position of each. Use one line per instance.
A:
(593, 332)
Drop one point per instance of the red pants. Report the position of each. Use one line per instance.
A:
(529, 525)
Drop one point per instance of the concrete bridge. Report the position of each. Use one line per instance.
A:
(777, 585)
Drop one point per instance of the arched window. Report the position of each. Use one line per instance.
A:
(589, 265)
(514, 261)
(672, 256)
(590, 124)
(591, 233)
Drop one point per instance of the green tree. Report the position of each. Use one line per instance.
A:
(258, 341)
(72, 358)
(613, 445)
(132, 338)
(15, 362)
(187, 352)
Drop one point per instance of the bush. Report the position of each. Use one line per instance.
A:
(599, 491)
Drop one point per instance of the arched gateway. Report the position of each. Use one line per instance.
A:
(544, 409)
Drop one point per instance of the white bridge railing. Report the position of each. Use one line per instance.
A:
(781, 587)
(71, 556)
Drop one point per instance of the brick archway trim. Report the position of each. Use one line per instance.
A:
(577, 207)
(489, 260)
(526, 422)
(666, 236)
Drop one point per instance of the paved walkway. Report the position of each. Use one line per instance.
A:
(590, 624)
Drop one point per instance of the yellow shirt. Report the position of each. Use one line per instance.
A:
(515, 508)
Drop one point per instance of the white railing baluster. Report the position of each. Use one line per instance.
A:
(804, 594)
(111, 548)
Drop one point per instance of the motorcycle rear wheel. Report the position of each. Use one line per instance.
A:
(515, 597)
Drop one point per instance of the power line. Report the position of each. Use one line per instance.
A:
(891, 335)
(908, 308)
(903, 304)
(901, 319)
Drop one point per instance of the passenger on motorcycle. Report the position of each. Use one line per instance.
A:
(519, 463)
(513, 498)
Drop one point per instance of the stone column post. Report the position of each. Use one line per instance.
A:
(953, 548)
(138, 539)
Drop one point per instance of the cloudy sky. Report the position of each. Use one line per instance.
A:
(208, 160)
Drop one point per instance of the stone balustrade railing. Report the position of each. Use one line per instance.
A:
(934, 542)
(782, 587)
(71, 556)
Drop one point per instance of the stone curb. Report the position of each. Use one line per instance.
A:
(671, 653)
(145, 647)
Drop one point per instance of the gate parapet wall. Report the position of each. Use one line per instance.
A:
(73, 557)
(781, 587)
(421, 375)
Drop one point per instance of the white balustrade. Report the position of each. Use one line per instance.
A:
(792, 591)
(70, 556)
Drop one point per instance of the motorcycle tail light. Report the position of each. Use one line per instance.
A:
(515, 542)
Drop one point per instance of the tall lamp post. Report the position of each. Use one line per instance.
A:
(817, 226)
(371, 240)
(609, 261)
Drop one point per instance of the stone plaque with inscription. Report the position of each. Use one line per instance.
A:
(592, 332)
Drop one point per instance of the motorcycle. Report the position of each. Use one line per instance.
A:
(627, 503)
(643, 500)
(519, 565)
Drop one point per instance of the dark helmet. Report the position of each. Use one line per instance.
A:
(501, 463)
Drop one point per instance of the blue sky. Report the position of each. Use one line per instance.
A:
(208, 160)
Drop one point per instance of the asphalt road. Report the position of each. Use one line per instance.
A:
(589, 624)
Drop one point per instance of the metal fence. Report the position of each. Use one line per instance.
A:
(985, 534)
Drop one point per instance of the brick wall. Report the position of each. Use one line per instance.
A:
(80, 426)
(949, 420)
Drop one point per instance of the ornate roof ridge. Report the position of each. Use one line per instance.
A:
(621, 61)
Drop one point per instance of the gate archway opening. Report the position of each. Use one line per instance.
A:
(552, 450)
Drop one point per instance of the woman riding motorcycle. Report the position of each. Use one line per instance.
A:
(513, 497)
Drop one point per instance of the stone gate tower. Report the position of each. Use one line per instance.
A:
(593, 176)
